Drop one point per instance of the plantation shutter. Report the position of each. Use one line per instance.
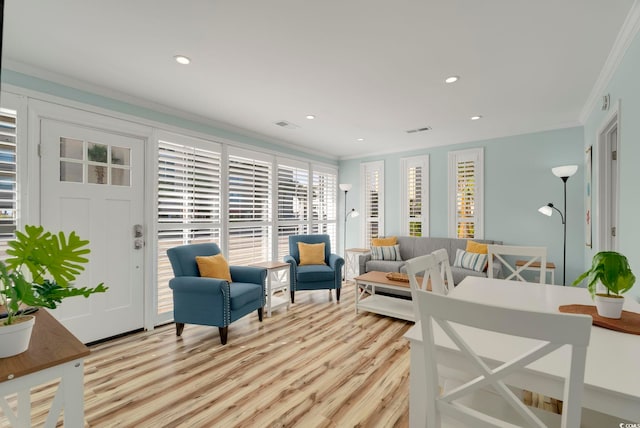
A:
(189, 204)
(250, 189)
(8, 179)
(415, 196)
(373, 179)
(293, 202)
(466, 194)
(324, 202)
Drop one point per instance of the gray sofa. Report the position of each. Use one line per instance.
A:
(411, 246)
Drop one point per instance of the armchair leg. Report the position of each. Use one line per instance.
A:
(293, 293)
(337, 294)
(223, 334)
(260, 310)
(179, 328)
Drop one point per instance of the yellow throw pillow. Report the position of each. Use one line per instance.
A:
(476, 247)
(311, 254)
(214, 267)
(384, 242)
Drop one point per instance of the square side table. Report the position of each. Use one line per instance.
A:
(277, 280)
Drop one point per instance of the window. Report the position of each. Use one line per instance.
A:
(415, 196)
(372, 177)
(8, 178)
(250, 218)
(466, 193)
(293, 202)
(324, 203)
(188, 201)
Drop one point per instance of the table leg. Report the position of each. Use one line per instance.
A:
(73, 390)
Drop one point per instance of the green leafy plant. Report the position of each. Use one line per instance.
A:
(53, 261)
(612, 270)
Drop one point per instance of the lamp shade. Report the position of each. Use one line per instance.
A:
(345, 187)
(546, 210)
(564, 171)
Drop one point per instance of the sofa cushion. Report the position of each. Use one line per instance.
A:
(384, 265)
(384, 242)
(477, 247)
(391, 252)
(314, 273)
(461, 273)
(244, 293)
(473, 261)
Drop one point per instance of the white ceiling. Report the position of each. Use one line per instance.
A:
(367, 69)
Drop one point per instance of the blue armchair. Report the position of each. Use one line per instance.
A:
(314, 277)
(211, 301)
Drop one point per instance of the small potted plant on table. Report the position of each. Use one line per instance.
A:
(612, 270)
(53, 261)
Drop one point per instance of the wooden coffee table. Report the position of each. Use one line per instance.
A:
(367, 298)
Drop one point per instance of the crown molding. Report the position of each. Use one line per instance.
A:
(111, 94)
(625, 37)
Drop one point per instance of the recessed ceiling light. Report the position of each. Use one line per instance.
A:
(451, 79)
(359, 139)
(181, 59)
(310, 116)
(476, 117)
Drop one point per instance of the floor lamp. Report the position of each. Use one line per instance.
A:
(353, 213)
(564, 172)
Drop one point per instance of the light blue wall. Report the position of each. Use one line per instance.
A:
(518, 181)
(624, 87)
(47, 87)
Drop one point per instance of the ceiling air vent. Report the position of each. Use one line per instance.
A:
(413, 131)
(285, 124)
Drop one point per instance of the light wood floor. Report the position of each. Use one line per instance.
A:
(316, 365)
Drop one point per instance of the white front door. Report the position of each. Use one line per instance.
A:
(92, 183)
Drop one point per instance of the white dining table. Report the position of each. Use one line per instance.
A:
(612, 373)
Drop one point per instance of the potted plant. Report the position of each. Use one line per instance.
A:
(612, 270)
(52, 262)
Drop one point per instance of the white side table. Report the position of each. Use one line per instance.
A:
(352, 260)
(277, 281)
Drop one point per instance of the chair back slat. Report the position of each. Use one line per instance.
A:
(531, 254)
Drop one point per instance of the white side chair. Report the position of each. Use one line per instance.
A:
(553, 330)
(424, 274)
(513, 272)
(442, 258)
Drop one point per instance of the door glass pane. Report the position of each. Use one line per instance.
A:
(71, 172)
(97, 152)
(120, 177)
(120, 156)
(70, 148)
(97, 174)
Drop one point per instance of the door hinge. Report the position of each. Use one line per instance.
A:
(614, 155)
(39, 150)
(613, 231)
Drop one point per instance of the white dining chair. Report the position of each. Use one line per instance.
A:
(532, 254)
(424, 274)
(442, 259)
(550, 330)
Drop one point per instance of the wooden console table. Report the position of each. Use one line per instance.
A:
(54, 353)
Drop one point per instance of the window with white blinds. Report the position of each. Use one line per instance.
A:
(8, 178)
(293, 202)
(466, 193)
(415, 196)
(250, 220)
(324, 203)
(189, 203)
(372, 178)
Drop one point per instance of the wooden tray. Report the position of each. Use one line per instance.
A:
(397, 276)
(628, 323)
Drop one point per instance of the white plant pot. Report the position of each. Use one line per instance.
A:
(15, 337)
(609, 307)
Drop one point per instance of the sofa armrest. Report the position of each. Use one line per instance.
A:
(250, 274)
(198, 285)
(362, 263)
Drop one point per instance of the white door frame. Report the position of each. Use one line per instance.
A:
(605, 181)
(38, 110)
